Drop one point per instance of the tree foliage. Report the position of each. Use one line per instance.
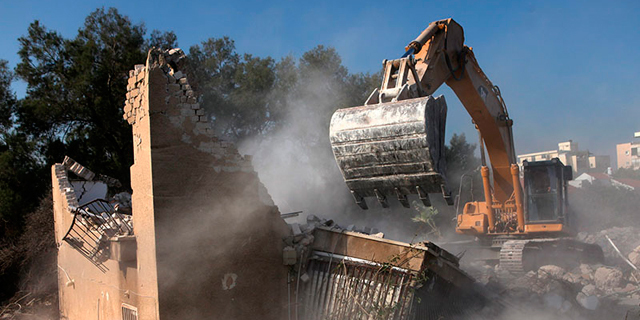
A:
(7, 98)
(249, 96)
(462, 169)
(75, 90)
(20, 172)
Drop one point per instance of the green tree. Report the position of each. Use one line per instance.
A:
(161, 40)
(75, 91)
(462, 161)
(73, 106)
(7, 98)
(20, 184)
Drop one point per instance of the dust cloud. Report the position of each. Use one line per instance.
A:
(297, 166)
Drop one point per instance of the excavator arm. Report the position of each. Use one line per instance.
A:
(443, 58)
(375, 141)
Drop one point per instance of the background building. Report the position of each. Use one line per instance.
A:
(628, 154)
(569, 154)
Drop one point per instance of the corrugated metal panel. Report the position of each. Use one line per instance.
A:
(341, 289)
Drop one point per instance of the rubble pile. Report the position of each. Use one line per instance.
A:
(625, 238)
(587, 291)
(302, 236)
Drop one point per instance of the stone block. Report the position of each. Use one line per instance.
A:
(203, 119)
(178, 75)
(192, 100)
(195, 106)
(607, 278)
(551, 272)
(187, 112)
(140, 76)
(172, 88)
(200, 112)
(203, 128)
(588, 302)
(289, 256)
(195, 118)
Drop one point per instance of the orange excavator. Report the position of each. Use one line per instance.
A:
(393, 147)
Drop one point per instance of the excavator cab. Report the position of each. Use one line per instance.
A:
(545, 191)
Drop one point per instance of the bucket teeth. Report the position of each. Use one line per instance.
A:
(381, 198)
(424, 197)
(359, 200)
(402, 198)
(446, 194)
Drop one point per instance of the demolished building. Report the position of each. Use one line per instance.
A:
(204, 240)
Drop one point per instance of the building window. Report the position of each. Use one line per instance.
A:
(129, 312)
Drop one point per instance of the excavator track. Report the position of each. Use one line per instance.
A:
(520, 256)
(511, 256)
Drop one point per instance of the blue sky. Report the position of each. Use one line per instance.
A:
(567, 69)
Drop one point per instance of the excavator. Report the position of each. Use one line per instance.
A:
(392, 147)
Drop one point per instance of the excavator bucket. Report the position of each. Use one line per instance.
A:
(392, 149)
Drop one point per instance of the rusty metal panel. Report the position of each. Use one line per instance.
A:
(356, 276)
(414, 257)
(357, 245)
(340, 289)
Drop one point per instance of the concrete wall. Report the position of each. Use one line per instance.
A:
(627, 156)
(568, 153)
(86, 291)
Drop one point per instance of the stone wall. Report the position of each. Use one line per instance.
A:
(217, 237)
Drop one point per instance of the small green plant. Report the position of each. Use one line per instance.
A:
(426, 216)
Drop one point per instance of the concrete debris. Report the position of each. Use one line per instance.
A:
(607, 278)
(551, 272)
(295, 229)
(588, 302)
(634, 256)
(588, 291)
(289, 256)
(626, 238)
